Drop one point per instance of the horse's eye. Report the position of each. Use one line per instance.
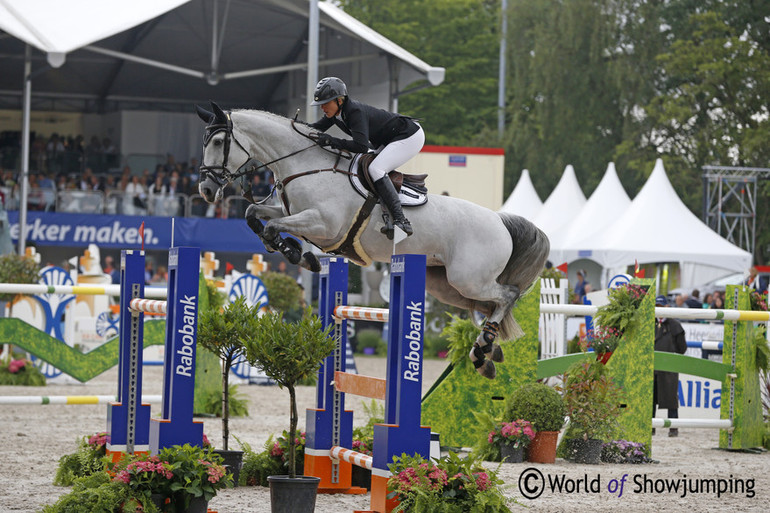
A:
(217, 142)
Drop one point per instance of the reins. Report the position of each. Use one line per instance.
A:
(224, 176)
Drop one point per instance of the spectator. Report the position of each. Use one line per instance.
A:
(54, 153)
(259, 188)
(707, 300)
(669, 337)
(680, 301)
(109, 265)
(580, 286)
(694, 300)
(756, 282)
(718, 301)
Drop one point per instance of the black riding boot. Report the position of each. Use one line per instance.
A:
(389, 197)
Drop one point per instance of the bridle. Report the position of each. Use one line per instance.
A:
(221, 175)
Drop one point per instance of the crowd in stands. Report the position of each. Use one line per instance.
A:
(68, 164)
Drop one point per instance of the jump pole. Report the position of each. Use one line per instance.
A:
(330, 426)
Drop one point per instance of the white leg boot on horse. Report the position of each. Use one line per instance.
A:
(388, 195)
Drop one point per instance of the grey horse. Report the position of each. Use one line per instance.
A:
(477, 259)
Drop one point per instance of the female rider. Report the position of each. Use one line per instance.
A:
(395, 138)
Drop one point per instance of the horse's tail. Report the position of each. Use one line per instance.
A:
(530, 252)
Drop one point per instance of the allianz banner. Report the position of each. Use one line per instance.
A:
(122, 232)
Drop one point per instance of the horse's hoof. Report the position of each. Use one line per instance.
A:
(310, 262)
(497, 354)
(487, 370)
(292, 250)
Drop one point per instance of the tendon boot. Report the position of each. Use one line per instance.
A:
(483, 366)
(389, 196)
(486, 341)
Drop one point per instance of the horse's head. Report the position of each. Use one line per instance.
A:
(224, 157)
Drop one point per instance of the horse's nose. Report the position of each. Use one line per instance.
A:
(207, 192)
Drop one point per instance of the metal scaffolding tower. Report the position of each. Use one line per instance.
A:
(730, 202)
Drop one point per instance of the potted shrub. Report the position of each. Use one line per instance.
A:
(178, 479)
(222, 334)
(592, 400)
(544, 408)
(289, 353)
(511, 438)
(448, 484)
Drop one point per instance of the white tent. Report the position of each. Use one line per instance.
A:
(523, 200)
(607, 203)
(562, 206)
(658, 227)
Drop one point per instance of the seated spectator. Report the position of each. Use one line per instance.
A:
(694, 300)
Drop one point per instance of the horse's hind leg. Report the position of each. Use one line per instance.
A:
(485, 345)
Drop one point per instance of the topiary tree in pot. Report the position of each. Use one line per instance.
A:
(16, 269)
(289, 353)
(544, 408)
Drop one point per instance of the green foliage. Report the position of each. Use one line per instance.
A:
(272, 461)
(622, 311)
(216, 299)
(435, 345)
(592, 400)
(482, 449)
(461, 334)
(761, 348)
(363, 436)
(17, 269)
(573, 345)
(284, 293)
(21, 372)
(287, 353)
(211, 402)
(448, 485)
(197, 472)
(89, 458)
(371, 338)
(537, 403)
(98, 492)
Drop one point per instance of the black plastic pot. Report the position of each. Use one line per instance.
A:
(361, 477)
(293, 495)
(233, 462)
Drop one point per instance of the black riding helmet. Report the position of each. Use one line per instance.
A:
(327, 89)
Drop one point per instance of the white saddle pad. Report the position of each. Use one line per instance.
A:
(409, 197)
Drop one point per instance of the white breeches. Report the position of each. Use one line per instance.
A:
(396, 154)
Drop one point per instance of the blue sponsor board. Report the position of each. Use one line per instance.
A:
(120, 232)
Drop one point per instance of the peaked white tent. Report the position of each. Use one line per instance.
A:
(658, 227)
(562, 206)
(523, 200)
(607, 203)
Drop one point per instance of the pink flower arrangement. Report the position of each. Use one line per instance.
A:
(518, 433)
(604, 339)
(16, 365)
(98, 441)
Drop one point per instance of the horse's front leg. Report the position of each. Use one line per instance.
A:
(254, 214)
(308, 224)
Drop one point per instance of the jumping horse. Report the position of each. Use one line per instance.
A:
(477, 259)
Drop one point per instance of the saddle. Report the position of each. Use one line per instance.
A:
(411, 188)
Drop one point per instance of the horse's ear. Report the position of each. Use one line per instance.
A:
(204, 114)
(218, 112)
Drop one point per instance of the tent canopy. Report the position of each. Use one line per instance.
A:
(564, 203)
(523, 200)
(658, 227)
(168, 54)
(607, 203)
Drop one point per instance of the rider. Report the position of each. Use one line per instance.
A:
(395, 138)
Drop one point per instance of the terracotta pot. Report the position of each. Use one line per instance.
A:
(542, 449)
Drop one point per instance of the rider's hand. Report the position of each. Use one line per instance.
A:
(324, 140)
